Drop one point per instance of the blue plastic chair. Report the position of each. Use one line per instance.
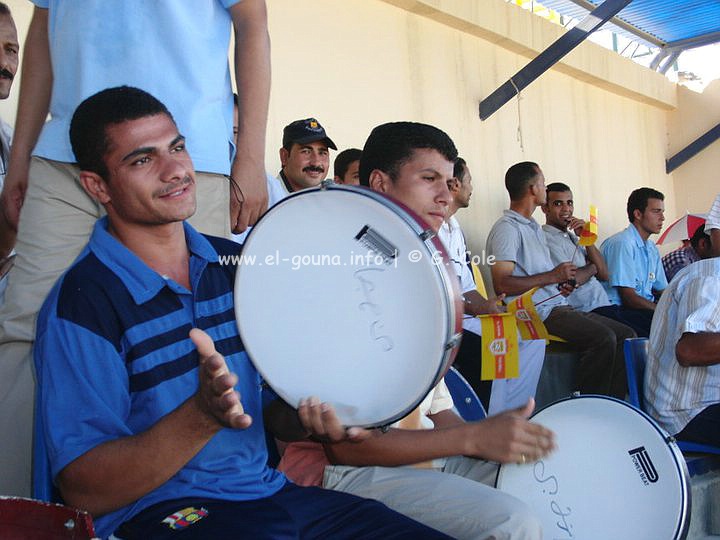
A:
(467, 403)
(636, 354)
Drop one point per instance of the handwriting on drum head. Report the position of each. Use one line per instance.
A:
(372, 308)
(550, 486)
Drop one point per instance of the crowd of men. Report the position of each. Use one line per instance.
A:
(145, 399)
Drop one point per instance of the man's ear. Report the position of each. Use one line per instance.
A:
(380, 181)
(454, 185)
(637, 215)
(544, 207)
(284, 155)
(95, 186)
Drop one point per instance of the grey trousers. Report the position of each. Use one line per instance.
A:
(456, 499)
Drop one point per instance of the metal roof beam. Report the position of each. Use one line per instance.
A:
(695, 147)
(691, 43)
(550, 56)
(620, 23)
(670, 61)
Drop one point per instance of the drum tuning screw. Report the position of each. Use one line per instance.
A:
(70, 524)
(427, 234)
(326, 183)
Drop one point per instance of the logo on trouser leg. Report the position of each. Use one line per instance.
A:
(185, 517)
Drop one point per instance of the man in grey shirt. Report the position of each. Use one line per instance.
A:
(562, 231)
(523, 261)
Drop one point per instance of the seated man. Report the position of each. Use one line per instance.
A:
(347, 166)
(500, 394)
(636, 272)
(449, 487)
(682, 376)
(699, 247)
(142, 416)
(522, 262)
(305, 155)
(562, 231)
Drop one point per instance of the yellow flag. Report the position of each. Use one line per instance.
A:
(479, 281)
(528, 321)
(500, 358)
(590, 231)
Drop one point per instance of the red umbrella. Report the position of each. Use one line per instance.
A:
(681, 229)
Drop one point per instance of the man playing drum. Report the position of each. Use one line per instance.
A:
(403, 467)
(149, 405)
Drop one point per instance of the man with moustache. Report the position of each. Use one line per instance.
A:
(9, 53)
(637, 277)
(304, 155)
(151, 410)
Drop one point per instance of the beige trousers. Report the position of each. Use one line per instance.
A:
(55, 224)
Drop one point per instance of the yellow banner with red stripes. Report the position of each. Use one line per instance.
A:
(528, 321)
(589, 233)
(500, 359)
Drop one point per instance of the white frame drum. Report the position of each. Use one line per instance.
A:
(341, 293)
(616, 474)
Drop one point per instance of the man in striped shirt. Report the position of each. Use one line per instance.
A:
(682, 377)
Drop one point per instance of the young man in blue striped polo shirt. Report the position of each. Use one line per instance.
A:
(151, 409)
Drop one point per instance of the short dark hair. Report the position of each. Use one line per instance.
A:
(698, 235)
(88, 127)
(344, 159)
(558, 187)
(459, 169)
(4, 9)
(391, 145)
(638, 200)
(519, 177)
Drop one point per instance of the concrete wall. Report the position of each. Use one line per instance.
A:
(596, 121)
(697, 181)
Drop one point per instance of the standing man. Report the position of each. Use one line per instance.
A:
(682, 377)
(305, 155)
(636, 272)
(522, 261)
(347, 167)
(175, 50)
(9, 54)
(562, 230)
(151, 408)
(500, 394)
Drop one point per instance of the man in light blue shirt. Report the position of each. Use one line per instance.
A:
(637, 276)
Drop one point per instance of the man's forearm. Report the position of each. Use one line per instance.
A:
(515, 285)
(252, 75)
(698, 349)
(119, 472)
(631, 299)
(585, 273)
(595, 257)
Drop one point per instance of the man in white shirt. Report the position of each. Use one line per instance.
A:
(500, 394)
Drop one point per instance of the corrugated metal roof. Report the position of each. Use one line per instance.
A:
(676, 24)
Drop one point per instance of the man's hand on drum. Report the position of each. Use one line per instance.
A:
(509, 437)
(321, 423)
(476, 304)
(216, 395)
